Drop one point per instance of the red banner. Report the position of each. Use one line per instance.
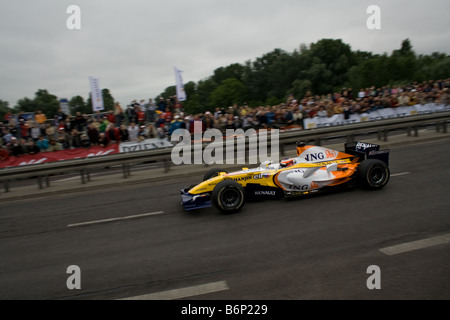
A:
(70, 154)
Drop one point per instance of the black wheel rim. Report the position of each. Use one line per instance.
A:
(377, 175)
(230, 198)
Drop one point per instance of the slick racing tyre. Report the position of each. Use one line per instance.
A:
(212, 173)
(373, 174)
(228, 196)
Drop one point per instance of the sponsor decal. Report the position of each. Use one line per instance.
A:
(364, 146)
(314, 185)
(298, 188)
(315, 156)
(325, 163)
(148, 144)
(265, 193)
(372, 153)
(71, 154)
(264, 175)
(240, 179)
(329, 154)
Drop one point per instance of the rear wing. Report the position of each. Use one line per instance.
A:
(365, 150)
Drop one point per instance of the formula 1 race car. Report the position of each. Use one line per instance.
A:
(314, 169)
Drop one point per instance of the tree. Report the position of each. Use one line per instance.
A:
(234, 70)
(108, 100)
(229, 92)
(406, 49)
(43, 101)
(402, 63)
(300, 87)
(331, 60)
(77, 104)
(322, 67)
(4, 108)
(441, 69)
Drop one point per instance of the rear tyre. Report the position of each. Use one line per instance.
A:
(228, 196)
(373, 174)
(212, 173)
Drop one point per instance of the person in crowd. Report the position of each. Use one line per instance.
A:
(24, 129)
(111, 117)
(118, 114)
(161, 104)
(104, 124)
(32, 148)
(42, 143)
(133, 132)
(123, 131)
(141, 135)
(141, 116)
(113, 134)
(85, 142)
(151, 111)
(177, 123)
(103, 140)
(98, 116)
(208, 121)
(40, 117)
(35, 131)
(50, 130)
(151, 131)
(93, 134)
(75, 139)
(131, 114)
(294, 112)
(4, 153)
(79, 122)
(7, 117)
(54, 146)
(63, 138)
(16, 147)
(166, 118)
(60, 116)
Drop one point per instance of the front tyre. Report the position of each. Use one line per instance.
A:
(373, 174)
(228, 196)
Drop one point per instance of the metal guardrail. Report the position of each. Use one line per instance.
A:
(42, 171)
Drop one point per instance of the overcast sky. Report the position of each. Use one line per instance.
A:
(133, 45)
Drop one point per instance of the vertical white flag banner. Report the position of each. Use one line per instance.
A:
(181, 94)
(96, 95)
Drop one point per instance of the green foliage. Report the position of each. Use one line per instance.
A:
(321, 68)
(77, 104)
(108, 101)
(4, 108)
(231, 91)
(43, 101)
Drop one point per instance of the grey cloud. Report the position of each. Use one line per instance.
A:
(132, 46)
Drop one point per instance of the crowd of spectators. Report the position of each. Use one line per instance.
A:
(146, 119)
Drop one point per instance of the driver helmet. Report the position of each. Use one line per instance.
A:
(287, 163)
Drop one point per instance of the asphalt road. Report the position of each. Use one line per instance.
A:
(316, 247)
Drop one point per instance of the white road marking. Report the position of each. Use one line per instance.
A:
(183, 292)
(400, 174)
(115, 219)
(415, 245)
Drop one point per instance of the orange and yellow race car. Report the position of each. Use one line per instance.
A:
(314, 169)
